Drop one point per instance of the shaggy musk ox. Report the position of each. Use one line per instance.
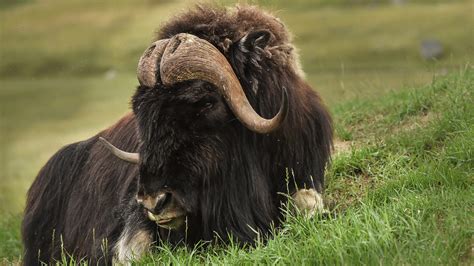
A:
(223, 127)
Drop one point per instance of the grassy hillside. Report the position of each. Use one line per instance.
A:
(400, 189)
(402, 175)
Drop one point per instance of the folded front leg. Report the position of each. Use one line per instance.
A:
(308, 201)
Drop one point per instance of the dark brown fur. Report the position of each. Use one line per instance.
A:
(231, 178)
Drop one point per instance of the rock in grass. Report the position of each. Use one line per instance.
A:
(431, 49)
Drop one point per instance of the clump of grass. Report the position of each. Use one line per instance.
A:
(10, 243)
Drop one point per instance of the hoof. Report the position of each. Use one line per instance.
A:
(308, 201)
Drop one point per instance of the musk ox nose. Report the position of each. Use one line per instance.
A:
(155, 204)
(162, 202)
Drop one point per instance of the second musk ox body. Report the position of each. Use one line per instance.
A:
(220, 118)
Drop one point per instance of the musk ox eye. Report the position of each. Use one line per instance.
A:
(205, 105)
(208, 105)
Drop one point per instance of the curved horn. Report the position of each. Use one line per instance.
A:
(148, 65)
(188, 57)
(126, 156)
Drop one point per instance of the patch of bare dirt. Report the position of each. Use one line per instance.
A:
(341, 146)
(349, 191)
(468, 257)
(415, 122)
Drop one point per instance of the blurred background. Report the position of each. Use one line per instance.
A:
(67, 68)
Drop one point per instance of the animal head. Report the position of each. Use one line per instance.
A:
(212, 98)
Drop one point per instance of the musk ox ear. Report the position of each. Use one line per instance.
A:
(256, 41)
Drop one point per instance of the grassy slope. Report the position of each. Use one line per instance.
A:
(402, 193)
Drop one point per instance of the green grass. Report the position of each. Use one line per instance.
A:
(400, 186)
(10, 243)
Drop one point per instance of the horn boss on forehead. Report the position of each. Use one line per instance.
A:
(187, 57)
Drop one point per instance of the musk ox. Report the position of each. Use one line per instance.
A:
(223, 128)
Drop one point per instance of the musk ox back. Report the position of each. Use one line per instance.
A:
(221, 116)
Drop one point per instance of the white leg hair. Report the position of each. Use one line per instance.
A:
(131, 245)
(308, 201)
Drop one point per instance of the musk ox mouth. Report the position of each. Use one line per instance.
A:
(173, 221)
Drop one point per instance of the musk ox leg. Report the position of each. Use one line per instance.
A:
(308, 201)
(136, 237)
(132, 245)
